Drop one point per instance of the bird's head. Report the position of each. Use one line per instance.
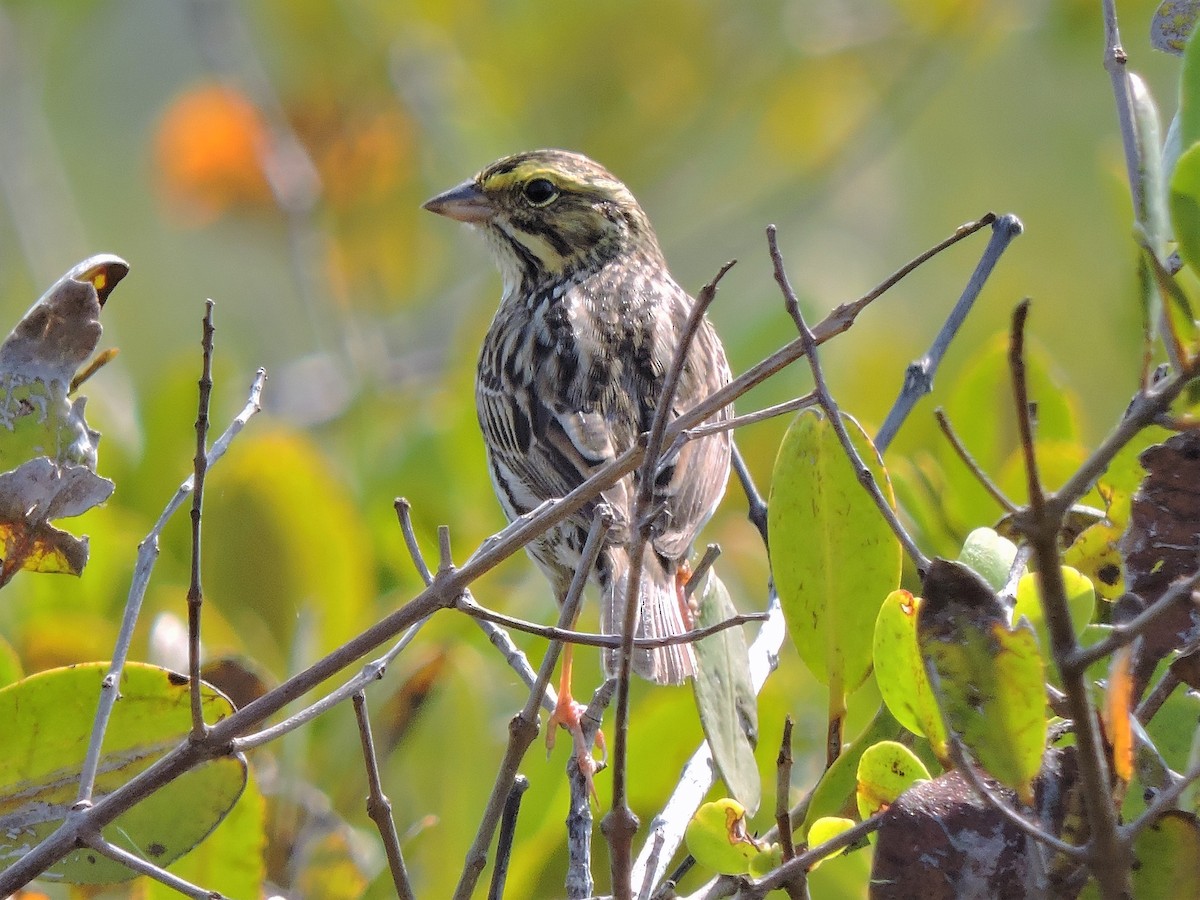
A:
(549, 215)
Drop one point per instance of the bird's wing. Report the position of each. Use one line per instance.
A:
(691, 485)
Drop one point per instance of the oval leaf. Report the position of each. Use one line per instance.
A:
(990, 555)
(1081, 601)
(988, 677)
(725, 696)
(717, 837)
(48, 720)
(886, 771)
(833, 557)
(900, 671)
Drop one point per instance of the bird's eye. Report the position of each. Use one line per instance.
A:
(540, 191)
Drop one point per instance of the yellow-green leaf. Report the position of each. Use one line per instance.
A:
(1081, 601)
(826, 829)
(900, 671)
(833, 557)
(886, 771)
(988, 677)
(48, 719)
(717, 837)
(1168, 858)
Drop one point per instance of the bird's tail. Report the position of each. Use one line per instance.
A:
(660, 614)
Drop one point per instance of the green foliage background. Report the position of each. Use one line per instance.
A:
(865, 129)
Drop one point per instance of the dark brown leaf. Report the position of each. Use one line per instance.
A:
(1162, 545)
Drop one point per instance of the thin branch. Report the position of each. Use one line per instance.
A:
(523, 727)
(757, 507)
(783, 785)
(918, 378)
(471, 607)
(1108, 857)
(711, 554)
(504, 843)
(135, 863)
(445, 557)
(195, 594)
(1120, 635)
(967, 767)
(404, 514)
(800, 864)
(379, 808)
(865, 477)
(1146, 408)
(579, 883)
(621, 824)
(144, 566)
(973, 467)
(752, 418)
(1163, 801)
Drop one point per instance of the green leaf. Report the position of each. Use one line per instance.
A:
(1185, 216)
(48, 719)
(826, 829)
(1167, 857)
(990, 555)
(988, 677)
(725, 696)
(1189, 95)
(833, 557)
(900, 671)
(717, 837)
(231, 859)
(886, 771)
(1152, 217)
(1081, 601)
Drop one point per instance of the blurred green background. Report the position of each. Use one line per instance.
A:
(273, 156)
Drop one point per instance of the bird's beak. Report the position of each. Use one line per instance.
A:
(465, 203)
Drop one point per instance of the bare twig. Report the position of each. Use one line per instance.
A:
(783, 785)
(147, 556)
(753, 418)
(1163, 801)
(973, 467)
(379, 808)
(195, 594)
(757, 511)
(801, 863)
(504, 842)
(467, 604)
(579, 822)
(865, 477)
(1120, 635)
(523, 727)
(404, 514)
(620, 824)
(136, 864)
(1108, 856)
(918, 378)
(967, 767)
(711, 554)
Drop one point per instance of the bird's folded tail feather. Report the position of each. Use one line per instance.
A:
(660, 614)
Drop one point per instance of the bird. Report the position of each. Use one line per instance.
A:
(569, 375)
